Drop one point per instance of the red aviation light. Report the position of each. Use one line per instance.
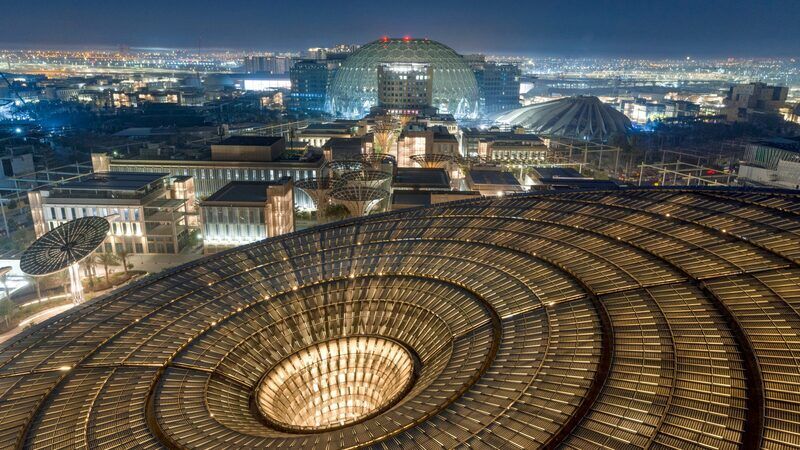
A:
(407, 38)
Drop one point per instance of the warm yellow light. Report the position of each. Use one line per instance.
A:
(335, 383)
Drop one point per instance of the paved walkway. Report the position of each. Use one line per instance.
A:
(36, 318)
(157, 263)
(148, 263)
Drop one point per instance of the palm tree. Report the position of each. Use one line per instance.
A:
(107, 259)
(63, 280)
(89, 265)
(124, 255)
(7, 310)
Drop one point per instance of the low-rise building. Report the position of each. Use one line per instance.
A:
(517, 149)
(318, 134)
(492, 182)
(247, 211)
(505, 146)
(249, 148)
(417, 139)
(211, 174)
(145, 215)
(642, 111)
(774, 162)
(559, 178)
(745, 100)
(420, 179)
(343, 149)
(402, 199)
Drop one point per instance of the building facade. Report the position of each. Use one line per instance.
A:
(211, 175)
(309, 86)
(498, 85)
(745, 100)
(148, 212)
(505, 147)
(418, 139)
(774, 163)
(518, 149)
(247, 211)
(268, 64)
(405, 88)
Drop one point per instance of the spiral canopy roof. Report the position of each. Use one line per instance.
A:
(628, 318)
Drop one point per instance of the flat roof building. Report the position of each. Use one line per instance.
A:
(402, 199)
(418, 140)
(492, 181)
(746, 100)
(212, 174)
(421, 179)
(504, 146)
(146, 212)
(318, 134)
(247, 211)
(249, 148)
(343, 149)
(558, 178)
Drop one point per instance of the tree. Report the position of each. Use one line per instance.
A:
(107, 259)
(124, 255)
(7, 310)
(89, 265)
(336, 212)
(37, 282)
(63, 280)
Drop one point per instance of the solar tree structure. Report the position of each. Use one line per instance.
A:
(343, 166)
(64, 248)
(377, 161)
(377, 179)
(432, 160)
(317, 188)
(358, 199)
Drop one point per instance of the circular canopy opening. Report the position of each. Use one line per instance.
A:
(335, 383)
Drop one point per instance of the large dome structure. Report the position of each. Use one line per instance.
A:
(619, 319)
(354, 89)
(582, 117)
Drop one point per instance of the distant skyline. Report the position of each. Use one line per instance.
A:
(678, 28)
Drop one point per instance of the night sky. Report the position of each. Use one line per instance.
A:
(656, 28)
